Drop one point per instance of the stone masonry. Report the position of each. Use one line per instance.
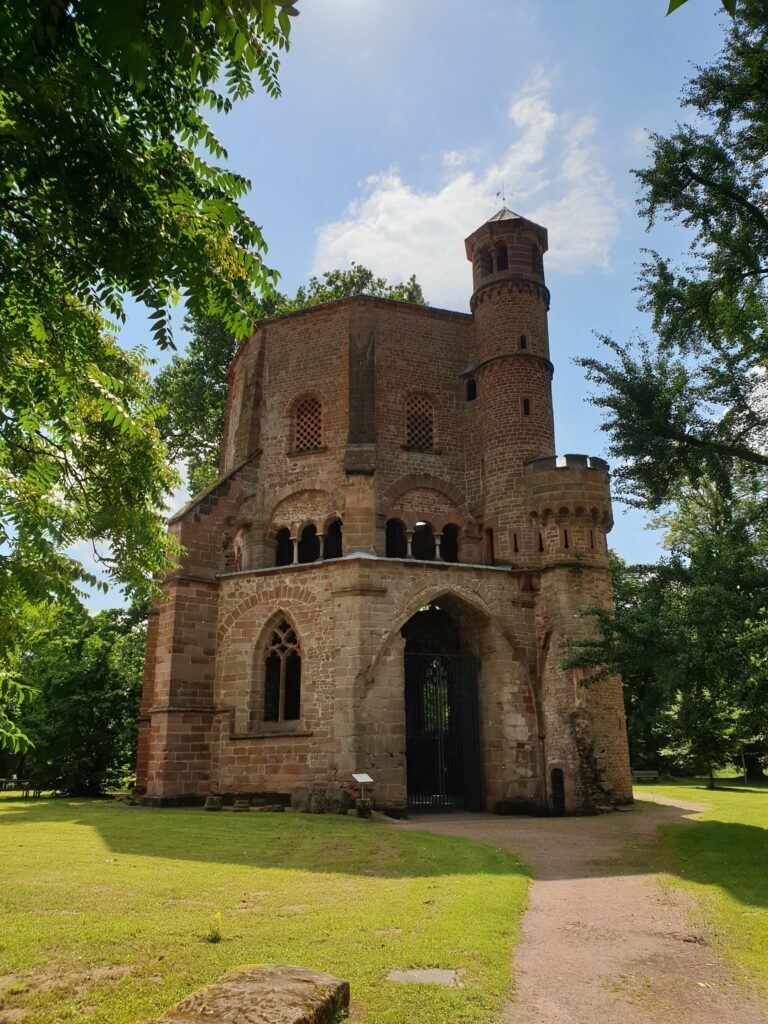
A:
(389, 486)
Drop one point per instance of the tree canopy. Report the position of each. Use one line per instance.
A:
(692, 403)
(112, 185)
(192, 389)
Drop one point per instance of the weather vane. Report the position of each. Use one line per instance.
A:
(502, 195)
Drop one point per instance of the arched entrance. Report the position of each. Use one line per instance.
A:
(442, 729)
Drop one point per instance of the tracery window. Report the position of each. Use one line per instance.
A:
(419, 423)
(308, 425)
(282, 675)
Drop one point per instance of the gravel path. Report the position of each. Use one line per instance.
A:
(603, 941)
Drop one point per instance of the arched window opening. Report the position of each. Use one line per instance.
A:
(282, 675)
(471, 389)
(502, 258)
(308, 425)
(526, 407)
(283, 547)
(523, 341)
(419, 423)
(397, 545)
(488, 552)
(487, 262)
(449, 543)
(309, 545)
(558, 791)
(423, 543)
(332, 548)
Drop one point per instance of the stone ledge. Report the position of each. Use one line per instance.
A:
(264, 995)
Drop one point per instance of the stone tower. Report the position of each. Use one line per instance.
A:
(389, 571)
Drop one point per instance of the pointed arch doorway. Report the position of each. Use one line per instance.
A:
(442, 727)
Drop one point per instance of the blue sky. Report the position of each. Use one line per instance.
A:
(399, 118)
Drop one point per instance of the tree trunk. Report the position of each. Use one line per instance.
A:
(711, 782)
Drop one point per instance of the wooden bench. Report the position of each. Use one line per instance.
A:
(645, 776)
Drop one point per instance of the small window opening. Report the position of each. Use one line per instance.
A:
(449, 543)
(515, 548)
(283, 547)
(526, 407)
(488, 552)
(565, 539)
(419, 423)
(471, 389)
(308, 426)
(423, 543)
(523, 341)
(397, 545)
(591, 538)
(502, 258)
(541, 542)
(282, 676)
(332, 547)
(309, 545)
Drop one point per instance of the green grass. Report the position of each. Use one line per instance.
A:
(106, 909)
(722, 859)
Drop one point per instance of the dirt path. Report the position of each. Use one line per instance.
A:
(603, 941)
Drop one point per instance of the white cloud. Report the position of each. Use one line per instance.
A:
(554, 173)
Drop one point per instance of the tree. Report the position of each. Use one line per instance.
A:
(693, 403)
(110, 186)
(695, 686)
(729, 5)
(85, 674)
(192, 389)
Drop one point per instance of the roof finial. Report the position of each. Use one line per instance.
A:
(503, 193)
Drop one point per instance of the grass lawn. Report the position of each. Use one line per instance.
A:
(722, 858)
(105, 909)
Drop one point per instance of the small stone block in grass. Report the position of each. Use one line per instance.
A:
(265, 995)
(427, 976)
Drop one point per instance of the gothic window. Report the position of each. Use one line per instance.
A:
(419, 423)
(282, 675)
(309, 545)
(332, 547)
(397, 545)
(308, 425)
(283, 547)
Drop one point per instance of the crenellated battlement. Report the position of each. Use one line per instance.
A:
(569, 504)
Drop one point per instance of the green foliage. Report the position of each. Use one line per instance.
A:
(192, 389)
(105, 177)
(110, 186)
(692, 404)
(83, 675)
(729, 5)
(686, 634)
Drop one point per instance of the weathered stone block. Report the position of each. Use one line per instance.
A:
(264, 995)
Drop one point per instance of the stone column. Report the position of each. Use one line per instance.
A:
(408, 541)
(438, 539)
(295, 542)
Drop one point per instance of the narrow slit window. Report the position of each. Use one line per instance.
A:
(526, 407)
(541, 542)
(514, 543)
(591, 538)
(471, 390)
(565, 539)
(523, 341)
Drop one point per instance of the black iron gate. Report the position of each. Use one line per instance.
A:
(442, 733)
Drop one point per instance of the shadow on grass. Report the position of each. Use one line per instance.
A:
(318, 843)
(731, 855)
